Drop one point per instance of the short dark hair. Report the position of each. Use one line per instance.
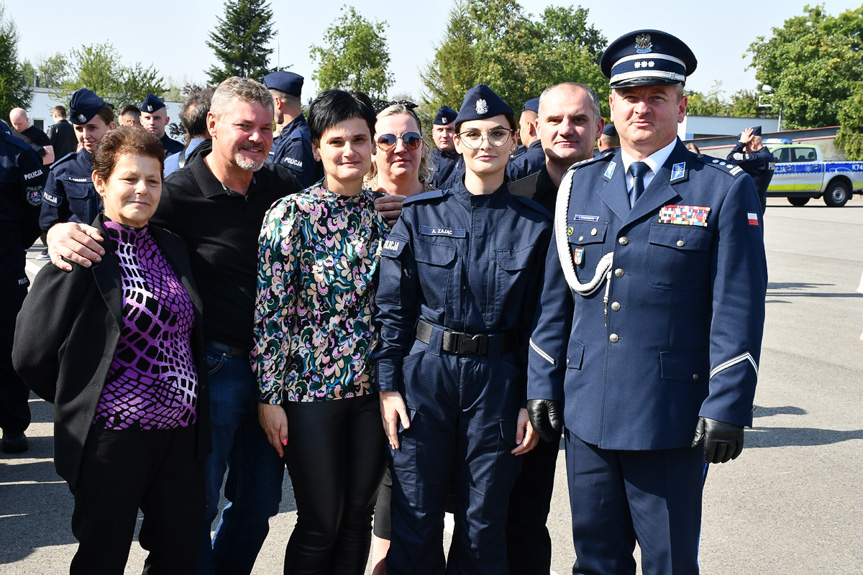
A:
(60, 110)
(193, 115)
(125, 140)
(131, 109)
(334, 106)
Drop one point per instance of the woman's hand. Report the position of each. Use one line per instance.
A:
(274, 420)
(75, 242)
(525, 436)
(390, 207)
(393, 410)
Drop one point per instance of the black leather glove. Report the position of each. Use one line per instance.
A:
(722, 441)
(546, 418)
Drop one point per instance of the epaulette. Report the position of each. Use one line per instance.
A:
(535, 206)
(430, 195)
(596, 159)
(723, 166)
(15, 141)
(65, 158)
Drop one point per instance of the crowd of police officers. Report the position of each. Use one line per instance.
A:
(647, 336)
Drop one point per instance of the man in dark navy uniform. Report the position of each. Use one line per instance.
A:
(292, 146)
(756, 160)
(21, 184)
(444, 157)
(608, 139)
(652, 312)
(529, 157)
(568, 124)
(154, 117)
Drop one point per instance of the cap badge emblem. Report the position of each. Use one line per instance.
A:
(481, 106)
(643, 44)
(443, 119)
(150, 108)
(82, 118)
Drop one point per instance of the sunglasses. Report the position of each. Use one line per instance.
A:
(411, 140)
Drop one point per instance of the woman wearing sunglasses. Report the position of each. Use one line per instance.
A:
(317, 274)
(456, 299)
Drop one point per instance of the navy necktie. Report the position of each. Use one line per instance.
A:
(637, 169)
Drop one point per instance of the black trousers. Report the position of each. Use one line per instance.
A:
(528, 544)
(336, 459)
(123, 471)
(14, 394)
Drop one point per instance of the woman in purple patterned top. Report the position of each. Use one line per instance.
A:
(118, 349)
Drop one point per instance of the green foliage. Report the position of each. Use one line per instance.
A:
(813, 64)
(14, 91)
(52, 72)
(354, 56)
(496, 42)
(850, 135)
(240, 39)
(100, 68)
(742, 104)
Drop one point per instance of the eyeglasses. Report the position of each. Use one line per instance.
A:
(411, 140)
(497, 137)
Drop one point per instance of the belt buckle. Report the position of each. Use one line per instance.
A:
(472, 344)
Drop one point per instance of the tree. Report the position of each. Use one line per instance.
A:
(498, 43)
(813, 64)
(99, 68)
(52, 72)
(14, 91)
(240, 41)
(354, 56)
(850, 135)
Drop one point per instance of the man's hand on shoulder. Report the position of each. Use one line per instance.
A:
(73, 242)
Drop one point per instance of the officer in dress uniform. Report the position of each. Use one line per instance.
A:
(756, 160)
(292, 147)
(456, 299)
(21, 183)
(444, 157)
(154, 117)
(652, 313)
(69, 194)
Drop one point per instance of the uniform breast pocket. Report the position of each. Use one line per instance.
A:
(586, 242)
(435, 263)
(679, 257)
(82, 200)
(511, 268)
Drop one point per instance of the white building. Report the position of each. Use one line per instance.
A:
(694, 127)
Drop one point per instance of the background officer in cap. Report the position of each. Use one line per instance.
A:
(651, 320)
(444, 157)
(154, 117)
(69, 194)
(529, 158)
(292, 146)
(456, 298)
(756, 160)
(21, 183)
(608, 139)
(568, 124)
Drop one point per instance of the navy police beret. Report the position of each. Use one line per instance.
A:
(445, 115)
(152, 104)
(284, 81)
(647, 58)
(532, 105)
(480, 103)
(84, 105)
(609, 130)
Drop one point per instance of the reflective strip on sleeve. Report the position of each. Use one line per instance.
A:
(541, 353)
(734, 361)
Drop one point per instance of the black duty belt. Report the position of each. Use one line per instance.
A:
(461, 343)
(228, 351)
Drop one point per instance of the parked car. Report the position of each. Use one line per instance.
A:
(801, 174)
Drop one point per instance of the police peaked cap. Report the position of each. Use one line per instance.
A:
(480, 103)
(84, 105)
(445, 115)
(531, 105)
(647, 58)
(152, 104)
(284, 81)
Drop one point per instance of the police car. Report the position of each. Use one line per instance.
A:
(801, 174)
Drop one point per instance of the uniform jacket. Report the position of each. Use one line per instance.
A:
(292, 149)
(760, 165)
(675, 331)
(66, 336)
(69, 194)
(21, 182)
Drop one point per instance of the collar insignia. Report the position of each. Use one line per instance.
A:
(609, 171)
(678, 171)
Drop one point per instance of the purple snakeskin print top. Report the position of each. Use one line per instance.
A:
(152, 382)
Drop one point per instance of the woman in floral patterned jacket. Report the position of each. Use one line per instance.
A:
(314, 333)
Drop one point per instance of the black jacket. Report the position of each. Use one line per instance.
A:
(66, 336)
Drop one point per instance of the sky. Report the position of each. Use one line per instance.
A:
(171, 35)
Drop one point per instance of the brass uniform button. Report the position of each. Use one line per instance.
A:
(613, 338)
(618, 273)
(694, 377)
(680, 243)
(615, 306)
(623, 241)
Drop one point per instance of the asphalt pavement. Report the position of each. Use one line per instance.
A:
(792, 503)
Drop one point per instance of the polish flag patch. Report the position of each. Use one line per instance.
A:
(753, 218)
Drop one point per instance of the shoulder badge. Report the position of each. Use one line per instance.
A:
(424, 196)
(721, 165)
(534, 206)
